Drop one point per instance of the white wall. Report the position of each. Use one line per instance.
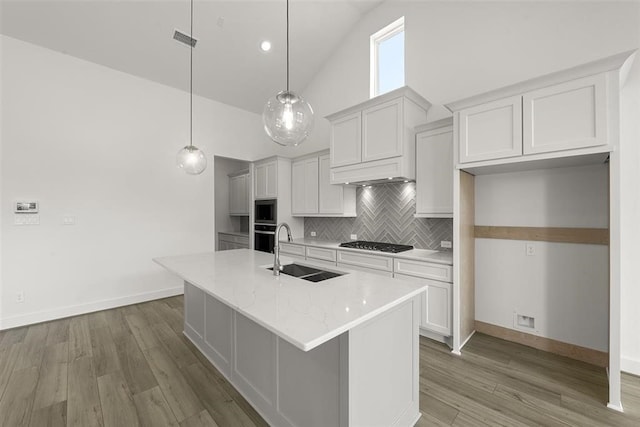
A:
(223, 167)
(565, 287)
(88, 141)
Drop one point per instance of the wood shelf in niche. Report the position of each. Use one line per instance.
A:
(594, 236)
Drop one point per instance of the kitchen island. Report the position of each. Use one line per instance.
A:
(341, 352)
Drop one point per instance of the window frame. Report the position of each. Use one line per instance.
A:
(375, 39)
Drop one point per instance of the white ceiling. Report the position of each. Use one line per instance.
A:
(136, 37)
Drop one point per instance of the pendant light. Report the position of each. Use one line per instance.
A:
(287, 118)
(191, 159)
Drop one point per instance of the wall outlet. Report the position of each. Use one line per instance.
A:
(521, 321)
(530, 249)
(354, 237)
(445, 244)
(313, 234)
(69, 220)
(20, 297)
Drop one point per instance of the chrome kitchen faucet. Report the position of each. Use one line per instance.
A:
(276, 248)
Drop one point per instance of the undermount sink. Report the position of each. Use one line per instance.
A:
(307, 273)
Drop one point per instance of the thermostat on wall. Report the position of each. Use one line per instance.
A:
(26, 207)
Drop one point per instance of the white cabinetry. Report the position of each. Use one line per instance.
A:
(565, 116)
(313, 195)
(437, 299)
(304, 186)
(193, 310)
(227, 241)
(239, 193)
(266, 179)
(491, 131)
(374, 140)
(292, 251)
(434, 170)
(543, 117)
(365, 262)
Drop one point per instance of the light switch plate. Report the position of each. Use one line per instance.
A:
(26, 219)
(530, 249)
(313, 234)
(445, 244)
(354, 237)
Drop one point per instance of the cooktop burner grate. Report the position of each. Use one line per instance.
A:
(376, 246)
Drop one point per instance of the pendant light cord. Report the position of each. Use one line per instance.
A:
(287, 45)
(191, 80)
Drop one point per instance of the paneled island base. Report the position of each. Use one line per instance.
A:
(367, 376)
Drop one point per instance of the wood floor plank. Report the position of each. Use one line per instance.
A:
(58, 331)
(438, 409)
(8, 358)
(50, 416)
(224, 410)
(17, 401)
(182, 398)
(153, 409)
(83, 404)
(134, 366)
(203, 419)
(105, 356)
(427, 420)
(142, 331)
(116, 401)
(13, 336)
(79, 338)
(118, 324)
(172, 343)
(172, 317)
(52, 382)
(32, 348)
(97, 320)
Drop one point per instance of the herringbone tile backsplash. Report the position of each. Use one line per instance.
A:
(385, 214)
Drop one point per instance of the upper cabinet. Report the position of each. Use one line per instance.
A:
(266, 179)
(565, 116)
(491, 131)
(313, 195)
(544, 120)
(239, 193)
(434, 169)
(375, 140)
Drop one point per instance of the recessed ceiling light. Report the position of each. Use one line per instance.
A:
(390, 177)
(265, 46)
(406, 180)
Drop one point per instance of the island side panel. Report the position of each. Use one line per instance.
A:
(193, 312)
(384, 372)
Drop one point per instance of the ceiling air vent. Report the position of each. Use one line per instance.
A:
(183, 38)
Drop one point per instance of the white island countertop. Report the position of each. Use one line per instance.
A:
(304, 313)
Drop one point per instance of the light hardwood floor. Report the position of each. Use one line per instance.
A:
(132, 366)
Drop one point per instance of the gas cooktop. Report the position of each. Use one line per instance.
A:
(376, 246)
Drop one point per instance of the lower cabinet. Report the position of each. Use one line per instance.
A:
(228, 241)
(436, 304)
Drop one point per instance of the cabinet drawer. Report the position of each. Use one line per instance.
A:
(288, 248)
(232, 238)
(367, 270)
(425, 270)
(321, 254)
(365, 260)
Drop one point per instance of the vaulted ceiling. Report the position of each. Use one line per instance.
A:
(136, 37)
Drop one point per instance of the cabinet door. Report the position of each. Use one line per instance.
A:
(243, 194)
(261, 181)
(434, 173)
(194, 309)
(382, 131)
(304, 186)
(491, 131)
(566, 116)
(238, 195)
(436, 304)
(330, 197)
(266, 183)
(346, 140)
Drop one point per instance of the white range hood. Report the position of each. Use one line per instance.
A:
(375, 140)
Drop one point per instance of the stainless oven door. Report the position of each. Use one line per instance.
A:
(264, 240)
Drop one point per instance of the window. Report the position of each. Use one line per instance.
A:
(387, 58)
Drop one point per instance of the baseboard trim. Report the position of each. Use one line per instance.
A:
(572, 351)
(630, 366)
(75, 310)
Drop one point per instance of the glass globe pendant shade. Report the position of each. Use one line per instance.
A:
(287, 118)
(192, 160)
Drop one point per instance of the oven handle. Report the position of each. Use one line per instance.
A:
(264, 232)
